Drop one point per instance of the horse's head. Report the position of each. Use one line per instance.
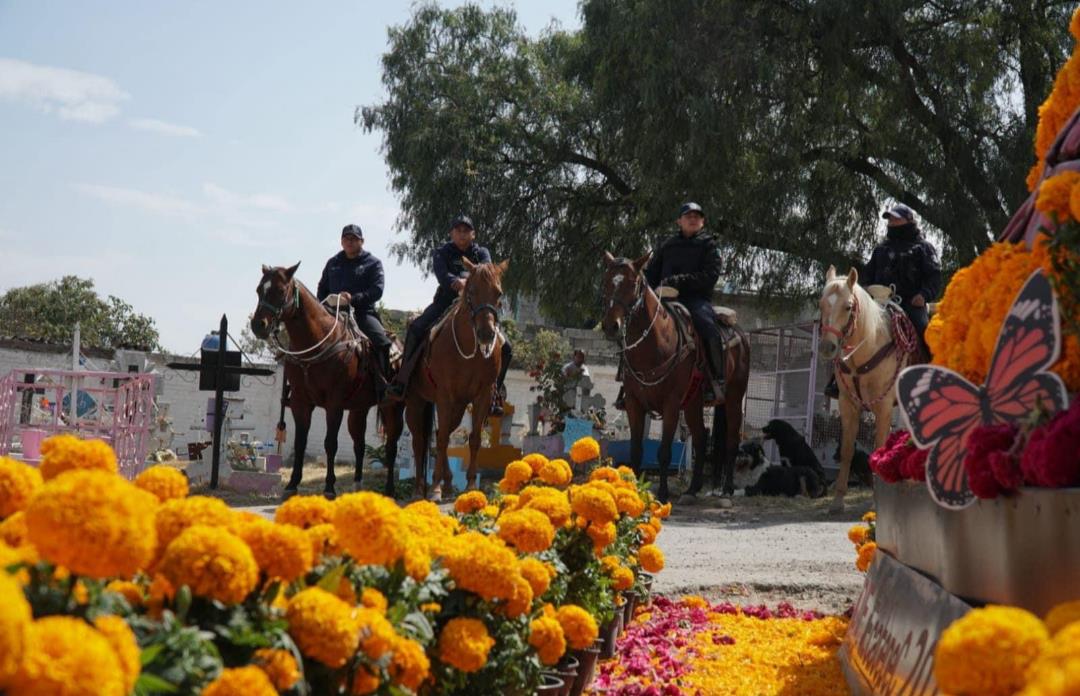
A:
(839, 311)
(279, 298)
(623, 288)
(482, 294)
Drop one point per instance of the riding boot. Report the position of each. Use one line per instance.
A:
(396, 390)
(714, 388)
(382, 376)
(498, 398)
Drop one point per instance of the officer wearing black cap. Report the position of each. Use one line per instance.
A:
(449, 271)
(909, 263)
(689, 261)
(360, 274)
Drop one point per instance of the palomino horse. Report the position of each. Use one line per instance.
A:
(868, 349)
(660, 365)
(327, 367)
(458, 368)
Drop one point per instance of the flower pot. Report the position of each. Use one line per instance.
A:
(609, 633)
(567, 670)
(628, 608)
(586, 668)
(550, 685)
(566, 682)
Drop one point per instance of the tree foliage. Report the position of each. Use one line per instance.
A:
(793, 122)
(49, 311)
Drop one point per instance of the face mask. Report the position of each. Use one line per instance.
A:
(902, 231)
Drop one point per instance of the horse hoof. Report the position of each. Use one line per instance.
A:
(688, 499)
(435, 494)
(288, 493)
(329, 494)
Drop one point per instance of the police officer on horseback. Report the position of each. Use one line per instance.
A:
(449, 271)
(689, 261)
(360, 274)
(908, 263)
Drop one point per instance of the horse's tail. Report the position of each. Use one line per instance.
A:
(429, 426)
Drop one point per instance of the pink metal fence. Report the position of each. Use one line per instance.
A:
(116, 407)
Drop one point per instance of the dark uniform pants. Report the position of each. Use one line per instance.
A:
(701, 311)
(373, 329)
(920, 318)
(420, 326)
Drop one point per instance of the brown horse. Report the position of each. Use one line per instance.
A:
(457, 368)
(328, 367)
(660, 376)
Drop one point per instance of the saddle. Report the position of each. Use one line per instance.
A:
(725, 317)
(337, 304)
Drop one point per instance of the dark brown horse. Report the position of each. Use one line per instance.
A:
(659, 375)
(327, 366)
(458, 368)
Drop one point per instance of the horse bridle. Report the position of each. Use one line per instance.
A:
(278, 311)
(849, 327)
(629, 310)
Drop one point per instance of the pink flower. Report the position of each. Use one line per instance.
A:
(1052, 456)
(984, 441)
(885, 461)
(913, 467)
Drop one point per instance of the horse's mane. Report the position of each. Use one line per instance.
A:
(487, 272)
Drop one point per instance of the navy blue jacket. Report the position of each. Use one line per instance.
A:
(361, 277)
(905, 259)
(690, 265)
(447, 266)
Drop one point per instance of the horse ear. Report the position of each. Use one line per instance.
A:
(642, 262)
(291, 270)
(469, 265)
(266, 269)
(852, 278)
(830, 275)
(608, 258)
(502, 266)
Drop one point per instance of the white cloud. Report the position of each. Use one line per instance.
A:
(162, 203)
(153, 125)
(257, 201)
(71, 94)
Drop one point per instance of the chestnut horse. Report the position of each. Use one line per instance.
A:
(868, 351)
(327, 367)
(660, 365)
(457, 368)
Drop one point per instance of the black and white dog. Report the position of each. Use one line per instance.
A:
(799, 472)
(757, 476)
(860, 466)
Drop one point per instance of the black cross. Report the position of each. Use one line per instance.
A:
(213, 379)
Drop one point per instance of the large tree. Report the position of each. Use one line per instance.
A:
(49, 311)
(792, 121)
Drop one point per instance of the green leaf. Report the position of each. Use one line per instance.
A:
(150, 684)
(150, 653)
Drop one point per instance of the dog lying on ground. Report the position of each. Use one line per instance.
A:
(757, 476)
(860, 467)
(792, 446)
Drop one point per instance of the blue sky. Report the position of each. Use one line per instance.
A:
(167, 150)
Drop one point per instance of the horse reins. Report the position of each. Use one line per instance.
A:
(278, 313)
(473, 312)
(672, 361)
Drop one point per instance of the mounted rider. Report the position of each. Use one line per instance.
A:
(689, 261)
(908, 263)
(360, 274)
(449, 271)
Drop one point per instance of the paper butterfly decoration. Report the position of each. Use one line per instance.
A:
(940, 407)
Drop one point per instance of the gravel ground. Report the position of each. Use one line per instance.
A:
(760, 550)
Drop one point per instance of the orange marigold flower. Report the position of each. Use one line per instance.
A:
(1062, 615)
(13, 530)
(546, 635)
(15, 620)
(280, 666)
(866, 556)
(18, 483)
(536, 461)
(594, 504)
(409, 666)
(65, 656)
(518, 472)
(60, 453)
(370, 527)
(1054, 195)
(651, 558)
(584, 450)
(324, 627)
(282, 551)
(470, 502)
(213, 562)
(93, 523)
(174, 516)
(241, 681)
(538, 574)
(123, 643)
(164, 482)
(373, 599)
(988, 651)
(530, 531)
(128, 590)
(305, 511)
(602, 535)
(605, 473)
(557, 472)
(578, 625)
(857, 534)
(464, 644)
(324, 541)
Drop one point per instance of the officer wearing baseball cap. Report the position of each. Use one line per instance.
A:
(360, 274)
(449, 271)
